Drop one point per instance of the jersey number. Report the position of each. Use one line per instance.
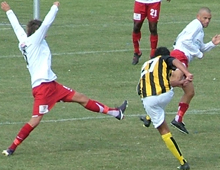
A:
(153, 13)
(24, 53)
(152, 63)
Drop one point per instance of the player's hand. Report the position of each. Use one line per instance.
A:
(216, 39)
(5, 7)
(184, 82)
(189, 77)
(187, 80)
(57, 3)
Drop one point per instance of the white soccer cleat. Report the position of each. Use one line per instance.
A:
(7, 152)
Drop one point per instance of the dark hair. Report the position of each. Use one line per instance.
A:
(32, 26)
(162, 51)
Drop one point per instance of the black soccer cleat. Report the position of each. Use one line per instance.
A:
(146, 121)
(179, 126)
(185, 166)
(136, 58)
(122, 109)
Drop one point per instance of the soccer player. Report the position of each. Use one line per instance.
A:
(46, 91)
(189, 45)
(156, 92)
(143, 9)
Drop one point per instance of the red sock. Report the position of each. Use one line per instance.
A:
(182, 110)
(136, 41)
(95, 106)
(152, 53)
(153, 44)
(22, 135)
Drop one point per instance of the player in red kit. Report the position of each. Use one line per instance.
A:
(45, 89)
(143, 9)
(189, 45)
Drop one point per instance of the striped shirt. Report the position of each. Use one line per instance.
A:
(155, 75)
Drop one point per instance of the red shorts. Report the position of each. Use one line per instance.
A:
(149, 11)
(47, 95)
(180, 56)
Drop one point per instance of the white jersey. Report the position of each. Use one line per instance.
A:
(35, 48)
(190, 41)
(148, 1)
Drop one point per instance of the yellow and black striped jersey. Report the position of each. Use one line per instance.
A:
(155, 75)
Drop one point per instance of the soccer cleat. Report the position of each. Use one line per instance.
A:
(136, 58)
(185, 166)
(180, 126)
(7, 152)
(146, 121)
(122, 109)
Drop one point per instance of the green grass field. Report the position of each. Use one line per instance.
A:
(92, 48)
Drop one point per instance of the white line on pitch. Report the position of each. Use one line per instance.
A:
(210, 112)
(79, 52)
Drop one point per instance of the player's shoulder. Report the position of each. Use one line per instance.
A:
(167, 58)
(195, 24)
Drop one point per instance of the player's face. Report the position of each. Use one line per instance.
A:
(204, 18)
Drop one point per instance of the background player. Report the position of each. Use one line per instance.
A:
(149, 9)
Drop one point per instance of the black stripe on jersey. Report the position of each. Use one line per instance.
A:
(160, 75)
(139, 88)
(169, 72)
(152, 84)
(143, 89)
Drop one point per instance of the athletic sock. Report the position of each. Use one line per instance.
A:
(153, 44)
(96, 106)
(173, 147)
(136, 37)
(22, 135)
(181, 111)
(152, 53)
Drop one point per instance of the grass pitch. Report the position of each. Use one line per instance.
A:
(92, 48)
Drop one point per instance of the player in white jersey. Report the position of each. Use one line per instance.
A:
(189, 45)
(46, 91)
(143, 9)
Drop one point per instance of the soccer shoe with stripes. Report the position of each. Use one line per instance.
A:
(7, 152)
(122, 109)
(136, 58)
(180, 126)
(185, 166)
(145, 121)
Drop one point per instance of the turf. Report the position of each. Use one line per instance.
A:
(92, 53)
